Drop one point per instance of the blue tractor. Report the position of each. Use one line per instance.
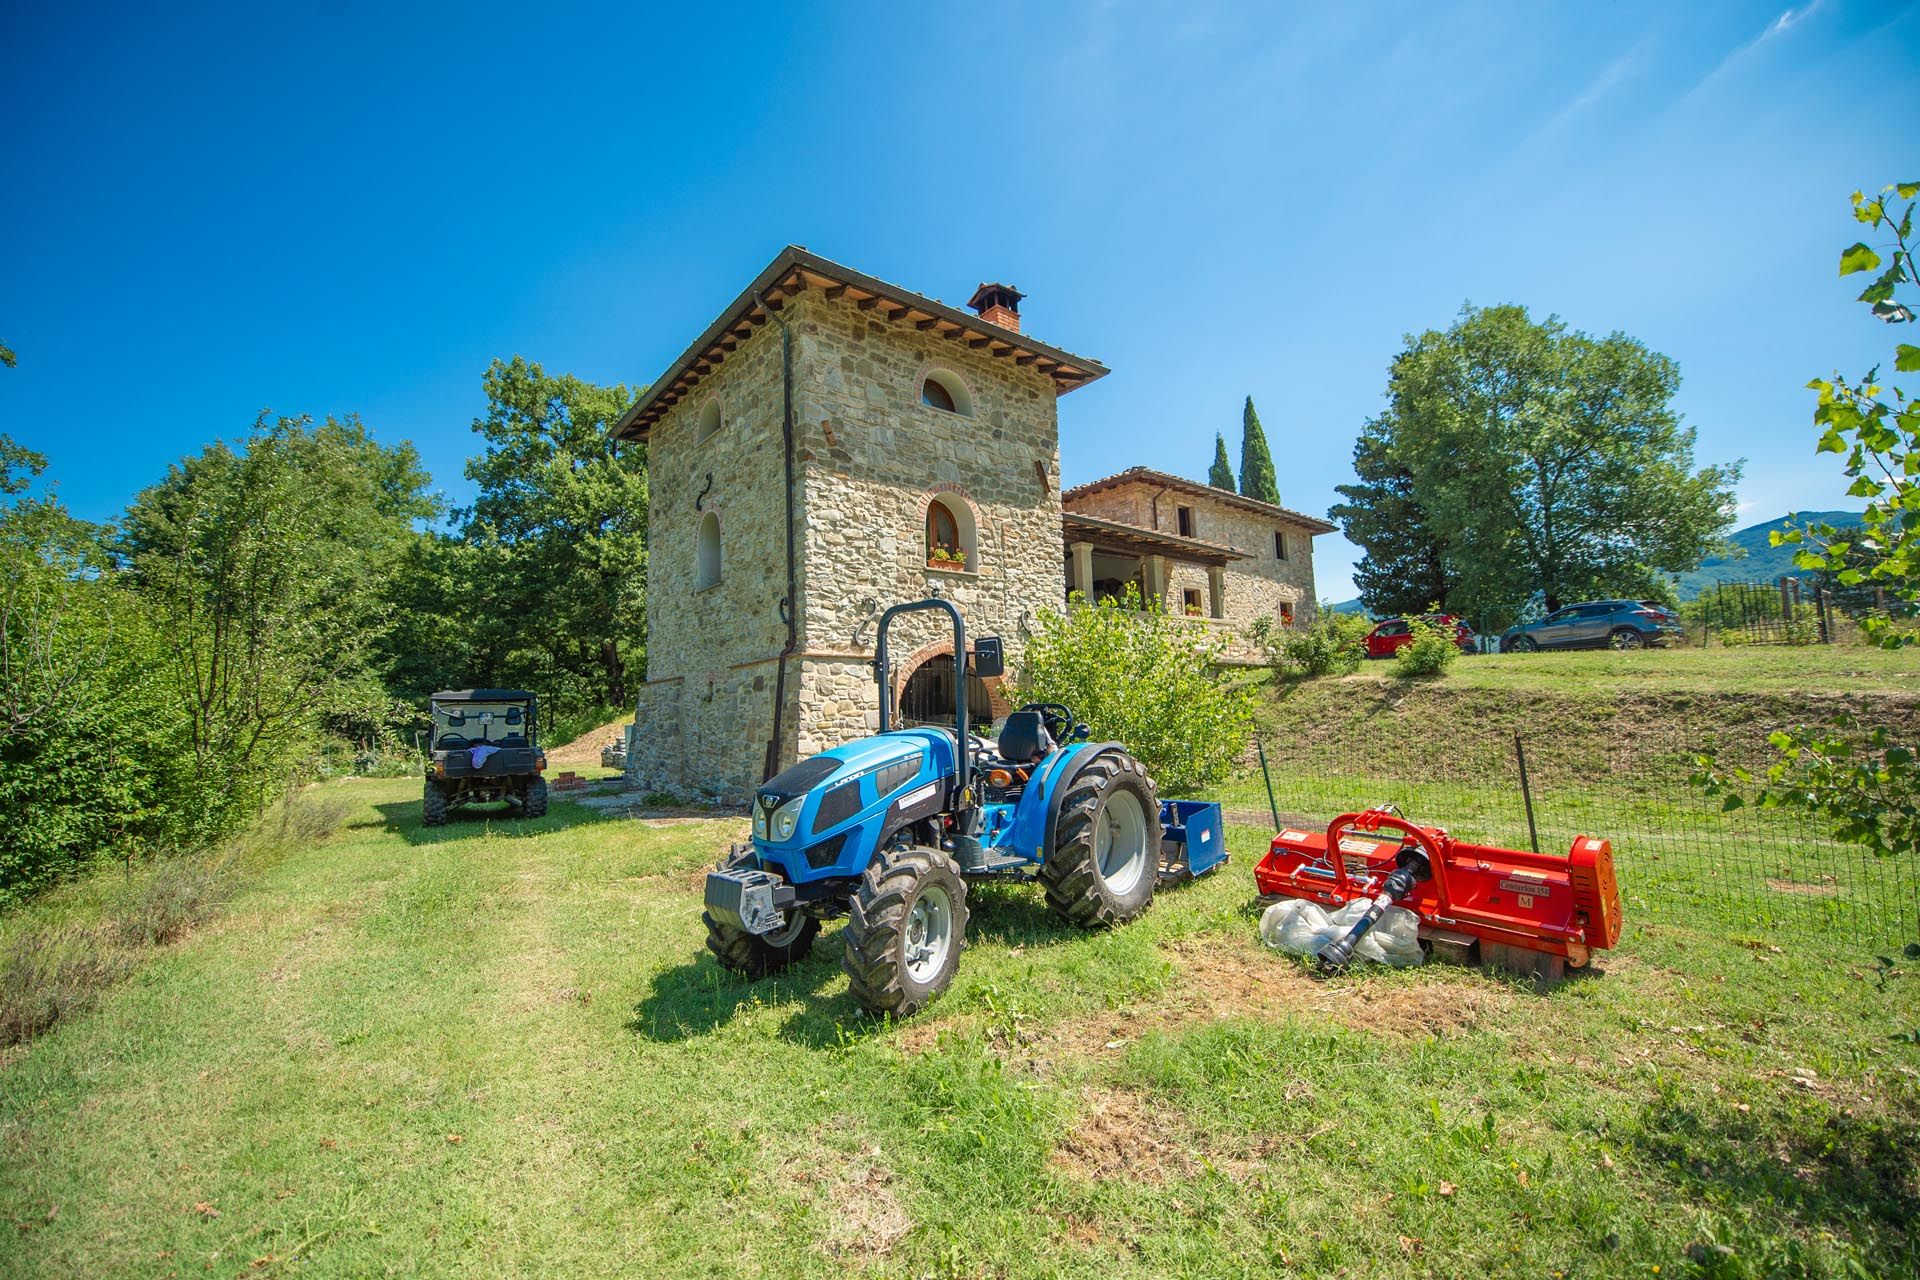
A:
(888, 831)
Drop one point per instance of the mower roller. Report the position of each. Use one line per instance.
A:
(1530, 913)
(889, 832)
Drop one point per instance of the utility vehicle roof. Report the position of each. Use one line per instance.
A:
(483, 695)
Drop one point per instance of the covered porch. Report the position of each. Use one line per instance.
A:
(1103, 556)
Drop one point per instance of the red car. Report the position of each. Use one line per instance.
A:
(1387, 637)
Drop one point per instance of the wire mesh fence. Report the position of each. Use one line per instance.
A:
(1771, 875)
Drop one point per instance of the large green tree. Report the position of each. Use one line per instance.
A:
(1403, 568)
(271, 568)
(1549, 461)
(1257, 478)
(560, 530)
(1220, 474)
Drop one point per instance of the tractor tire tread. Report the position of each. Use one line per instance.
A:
(433, 805)
(1069, 874)
(875, 916)
(750, 954)
(534, 805)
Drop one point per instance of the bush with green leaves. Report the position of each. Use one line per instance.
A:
(1430, 649)
(1863, 779)
(1138, 677)
(1333, 644)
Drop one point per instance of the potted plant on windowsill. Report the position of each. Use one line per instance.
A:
(946, 558)
(1193, 611)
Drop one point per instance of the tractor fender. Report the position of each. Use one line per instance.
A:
(1063, 779)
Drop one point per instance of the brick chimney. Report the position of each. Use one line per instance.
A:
(998, 304)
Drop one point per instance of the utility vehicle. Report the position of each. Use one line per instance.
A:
(889, 831)
(485, 746)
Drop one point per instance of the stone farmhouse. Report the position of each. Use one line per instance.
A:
(834, 444)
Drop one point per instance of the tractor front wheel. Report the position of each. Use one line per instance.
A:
(1106, 844)
(433, 805)
(759, 955)
(905, 929)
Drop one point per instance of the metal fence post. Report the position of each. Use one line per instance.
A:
(1272, 808)
(1526, 791)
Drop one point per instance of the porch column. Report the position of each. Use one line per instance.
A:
(1156, 579)
(1216, 591)
(1082, 569)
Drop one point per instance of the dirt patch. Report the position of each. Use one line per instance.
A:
(1126, 1134)
(854, 1191)
(1233, 980)
(585, 749)
(1802, 889)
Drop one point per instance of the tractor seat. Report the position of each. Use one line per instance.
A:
(1024, 738)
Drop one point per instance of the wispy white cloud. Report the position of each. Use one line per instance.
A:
(1788, 19)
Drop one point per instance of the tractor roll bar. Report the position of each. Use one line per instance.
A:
(884, 675)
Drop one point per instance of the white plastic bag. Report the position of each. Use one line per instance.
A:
(1303, 928)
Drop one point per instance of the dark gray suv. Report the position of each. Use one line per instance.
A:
(1611, 624)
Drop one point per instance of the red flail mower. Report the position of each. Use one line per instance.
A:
(1535, 914)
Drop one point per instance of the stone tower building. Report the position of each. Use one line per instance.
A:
(832, 445)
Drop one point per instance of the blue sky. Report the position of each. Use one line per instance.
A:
(340, 208)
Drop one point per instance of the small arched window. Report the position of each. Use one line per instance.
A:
(709, 424)
(944, 391)
(949, 534)
(707, 556)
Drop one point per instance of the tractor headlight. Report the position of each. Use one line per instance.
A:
(777, 826)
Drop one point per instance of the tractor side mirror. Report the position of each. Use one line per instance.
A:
(988, 659)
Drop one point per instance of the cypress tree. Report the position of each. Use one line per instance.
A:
(1220, 475)
(1257, 479)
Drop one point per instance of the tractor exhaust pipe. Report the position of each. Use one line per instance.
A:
(1413, 868)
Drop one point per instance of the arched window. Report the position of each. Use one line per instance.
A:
(949, 534)
(707, 557)
(709, 421)
(943, 390)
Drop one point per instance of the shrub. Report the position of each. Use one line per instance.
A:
(1429, 652)
(178, 895)
(1334, 644)
(48, 975)
(1138, 677)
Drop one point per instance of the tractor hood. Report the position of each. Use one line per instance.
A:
(825, 814)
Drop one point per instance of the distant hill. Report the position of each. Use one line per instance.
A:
(1762, 562)
(1348, 606)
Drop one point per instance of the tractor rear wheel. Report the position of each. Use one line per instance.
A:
(433, 805)
(759, 955)
(1106, 844)
(533, 801)
(906, 926)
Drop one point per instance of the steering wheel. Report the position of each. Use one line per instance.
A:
(1057, 718)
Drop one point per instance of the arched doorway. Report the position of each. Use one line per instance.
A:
(928, 696)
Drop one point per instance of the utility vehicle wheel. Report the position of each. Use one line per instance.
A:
(1526, 644)
(533, 801)
(760, 954)
(433, 805)
(1624, 638)
(1106, 844)
(905, 928)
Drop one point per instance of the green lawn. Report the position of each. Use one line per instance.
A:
(1791, 669)
(499, 1049)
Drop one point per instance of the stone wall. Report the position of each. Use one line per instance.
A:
(706, 712)
(869, 457)
(873, 457)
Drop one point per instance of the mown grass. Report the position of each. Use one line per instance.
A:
(1791, 669)
(499, 1049)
